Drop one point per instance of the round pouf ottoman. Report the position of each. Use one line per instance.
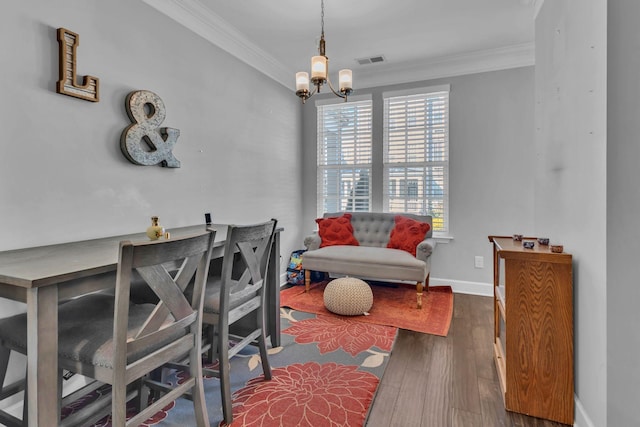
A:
(348, 296)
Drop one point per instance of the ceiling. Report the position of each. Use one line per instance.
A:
(419, 39)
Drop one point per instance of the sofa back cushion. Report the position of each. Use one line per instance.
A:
(373, 228)
(336, 231)
(407, 234)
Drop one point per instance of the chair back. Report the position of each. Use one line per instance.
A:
(173, 327)
(245, 262)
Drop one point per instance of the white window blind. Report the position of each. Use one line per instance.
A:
(416, 155)
(344, 157)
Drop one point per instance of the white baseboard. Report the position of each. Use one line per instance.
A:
(464, 287)
(458, 286)
(581, 417)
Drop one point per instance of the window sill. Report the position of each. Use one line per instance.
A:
(443, 238)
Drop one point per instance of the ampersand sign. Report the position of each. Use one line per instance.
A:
(144, 142)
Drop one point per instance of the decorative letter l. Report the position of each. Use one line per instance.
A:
(89, 90)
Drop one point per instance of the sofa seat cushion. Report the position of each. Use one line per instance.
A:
(365, 261)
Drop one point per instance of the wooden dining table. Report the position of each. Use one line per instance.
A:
(44, 276)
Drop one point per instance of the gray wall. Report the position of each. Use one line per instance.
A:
(571, 178)
(62, 174)
(623, 206)
(63, 177)
(491, 166)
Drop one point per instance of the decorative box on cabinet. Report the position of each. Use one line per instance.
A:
(533, 339)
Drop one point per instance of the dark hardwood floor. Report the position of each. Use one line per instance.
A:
(434, 381)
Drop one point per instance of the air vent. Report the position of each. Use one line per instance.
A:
(370, 60)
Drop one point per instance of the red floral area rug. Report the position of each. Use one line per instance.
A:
(325, 373)
(393, 305)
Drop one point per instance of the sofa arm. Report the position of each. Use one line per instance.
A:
(313, 241)
(425, 249)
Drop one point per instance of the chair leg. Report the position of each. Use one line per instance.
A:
(142, 400)
(60, 391)
(225, 379)
(212, 353)
(119, 404)
(5, 353)
(25, 402)
(262, 344)
(199, 403)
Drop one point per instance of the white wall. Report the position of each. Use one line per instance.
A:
(62, 174)
(491, 168)
(623, 206)
(571, 177)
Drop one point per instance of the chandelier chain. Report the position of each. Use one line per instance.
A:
(322, 17)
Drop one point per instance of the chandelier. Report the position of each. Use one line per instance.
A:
(320, 73)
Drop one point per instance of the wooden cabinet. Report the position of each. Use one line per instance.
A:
(533, 340)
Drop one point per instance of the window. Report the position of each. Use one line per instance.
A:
(344, 157)
(416, 153)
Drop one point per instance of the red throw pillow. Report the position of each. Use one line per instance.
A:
(407, 233)
(336, 231)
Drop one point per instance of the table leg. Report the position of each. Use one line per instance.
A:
(273, 292)
(42, 356)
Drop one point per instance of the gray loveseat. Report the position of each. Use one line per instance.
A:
(372, 259)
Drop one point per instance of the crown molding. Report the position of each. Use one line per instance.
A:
(476, 62)
(537, 5)
(201, 20)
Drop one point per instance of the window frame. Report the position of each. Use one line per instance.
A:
(344, 168)
(435, 142)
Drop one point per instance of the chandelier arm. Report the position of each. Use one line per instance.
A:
(305, 94)
(332, 89)
(341, 95)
